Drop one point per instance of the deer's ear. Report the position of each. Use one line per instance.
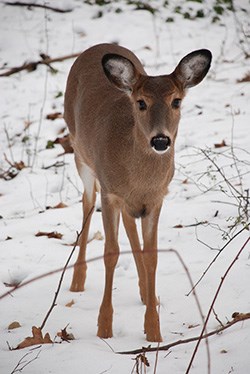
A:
(120, 71)
(193, 68)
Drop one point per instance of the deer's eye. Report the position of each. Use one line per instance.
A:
(176, 103)
(142, 105)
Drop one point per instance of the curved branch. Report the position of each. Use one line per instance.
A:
(237, 317)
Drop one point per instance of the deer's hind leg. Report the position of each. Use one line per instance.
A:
(131, 230)
(88, 203)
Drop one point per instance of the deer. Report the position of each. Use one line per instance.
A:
(123, 125)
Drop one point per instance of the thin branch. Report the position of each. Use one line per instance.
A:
(45, 89)
(213, 302)
(29, 5)
(217, 318)
(196, 300)
(59, 285)
(22, 363)
(242, 317)
(31, 66)
(158, 345)
(246, 227)
(230, 185)
(63, 272)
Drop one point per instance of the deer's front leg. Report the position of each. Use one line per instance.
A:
(149, 231)
(110, 214)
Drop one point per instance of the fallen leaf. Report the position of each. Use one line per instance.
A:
(70, 304)
(246, 78)
(240, 316)
(220, 145)
(37, 338)
(19, 165)
(65, 143)
(65, 336)
(52, 234)
(58, 206)
(14, 325)
(97, 236)
(185, 181)
(53, 116)
(178, 226)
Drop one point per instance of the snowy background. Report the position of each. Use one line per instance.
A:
(206, 207)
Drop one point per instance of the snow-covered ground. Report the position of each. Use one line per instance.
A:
(198, 217)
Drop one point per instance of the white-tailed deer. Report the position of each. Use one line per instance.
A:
(123, 125)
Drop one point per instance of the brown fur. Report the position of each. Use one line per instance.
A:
(112, 137)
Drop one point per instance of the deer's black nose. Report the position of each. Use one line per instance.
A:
(160, 143)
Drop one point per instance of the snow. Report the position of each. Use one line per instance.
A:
(217, 109)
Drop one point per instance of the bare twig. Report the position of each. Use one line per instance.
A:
(44, 92)
(213, 302)
(57, 164)
(246, 227)
(63, 272)
(196, 300)
(22, 363)
(31, 66)
(217, 318)
(59, 285)
(44, 5)
(158, 345)
(242, 317)
(236, 193)
(9, 145)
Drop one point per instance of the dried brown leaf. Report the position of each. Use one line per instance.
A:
(70, 304)
(220, 145)
(52, 234)
(240, 316)
(57, 206)
(245, 79)
(53, 116)
(36, 338)
(97, 236)
(65, 143)
(65, 336)
(14, 325)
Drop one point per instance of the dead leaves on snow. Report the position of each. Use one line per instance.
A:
(13, 170)
(53, 116)
(240, 316)
(50, 235)
(57, 206)
(70, 304)
(37, 338)
(245, 79)
(65, 143)
(14, 325)
(220, 145)
(65, 335)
